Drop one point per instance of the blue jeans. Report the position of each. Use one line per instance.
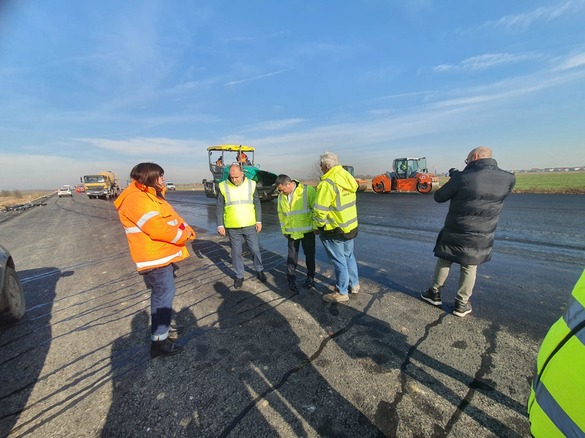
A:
(161, 282)
(237, 237)
(340, 252)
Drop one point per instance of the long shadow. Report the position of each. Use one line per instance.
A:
(260, 336)
(24, 345)
(137, 407)
(379, 347)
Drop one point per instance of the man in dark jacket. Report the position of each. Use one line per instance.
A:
(476, 197)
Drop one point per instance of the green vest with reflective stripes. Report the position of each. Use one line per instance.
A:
(556, 406)
(335, 204)
(296, 217)
(239, 208)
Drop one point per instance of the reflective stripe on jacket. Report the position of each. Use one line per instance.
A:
(239, 208)
(296, 217)
(556, 406)
(156, 233)
(335, 204)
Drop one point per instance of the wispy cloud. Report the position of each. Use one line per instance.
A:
(241, 81)
(572, 62)
(546, 13)
(275, 125)
(145, 146)
(486, 61)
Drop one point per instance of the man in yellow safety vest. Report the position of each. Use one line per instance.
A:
(556, 407)
(239, 216)
(335, 214)
(295, 213)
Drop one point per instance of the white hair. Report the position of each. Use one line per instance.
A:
(328, 160)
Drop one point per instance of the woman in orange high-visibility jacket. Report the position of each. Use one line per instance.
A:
(157, 236)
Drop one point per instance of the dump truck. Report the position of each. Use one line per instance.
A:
(362, 183)
(409, 175)
(221, 157)
(103, 185)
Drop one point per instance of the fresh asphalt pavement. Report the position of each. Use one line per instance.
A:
(265, 361)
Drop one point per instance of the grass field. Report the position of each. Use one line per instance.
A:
(547, 182)
(550, 182)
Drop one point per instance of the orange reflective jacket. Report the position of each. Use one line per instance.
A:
(156, 233)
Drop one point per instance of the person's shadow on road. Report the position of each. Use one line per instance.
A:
(24, 345)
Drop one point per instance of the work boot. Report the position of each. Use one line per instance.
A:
(432, 296)
(164, 348)
(292, 283)
(309, 283)
(462, 309)
(354, 290)
(336, 297)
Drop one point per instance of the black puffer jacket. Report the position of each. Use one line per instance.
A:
(477, 195)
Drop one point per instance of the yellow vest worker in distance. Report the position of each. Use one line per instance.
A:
(556, 407)
(295, 213)
(157, 236)
(239, 216)
(335, 213)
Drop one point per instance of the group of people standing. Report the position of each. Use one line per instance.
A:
(157, 235)
(330, 211)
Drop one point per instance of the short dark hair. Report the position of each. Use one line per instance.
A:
(147, 174)
(282, 179)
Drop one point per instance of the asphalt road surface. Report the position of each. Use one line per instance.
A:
(264, 361)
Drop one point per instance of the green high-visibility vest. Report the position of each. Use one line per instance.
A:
(296, 216)
(239, 208)
(556, 406)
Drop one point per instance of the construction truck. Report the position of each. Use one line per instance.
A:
(221, 157)
(409, 175)
(103, 185)
(362, 183)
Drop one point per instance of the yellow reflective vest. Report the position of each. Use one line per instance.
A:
(556, 406)
(296, 215)
(156, 233)
(239, 208)
(335, 204)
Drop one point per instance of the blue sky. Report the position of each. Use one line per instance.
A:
(90, 86)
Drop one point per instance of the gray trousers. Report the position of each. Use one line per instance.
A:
(237, 238)
(467, 276)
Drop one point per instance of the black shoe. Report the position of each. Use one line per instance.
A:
(432, 296)
(175, 332)
(293, 286)
(238, 282)
(261, 276)
(462, 309)
(309, 283)
(164, 348)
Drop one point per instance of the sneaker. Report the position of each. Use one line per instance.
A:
(164, 348)
(238, 282)
(309, 283)
(293, 286)
(354, 290)
(432, 296)
(261, 276)
(462, 309)
(335, 297)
